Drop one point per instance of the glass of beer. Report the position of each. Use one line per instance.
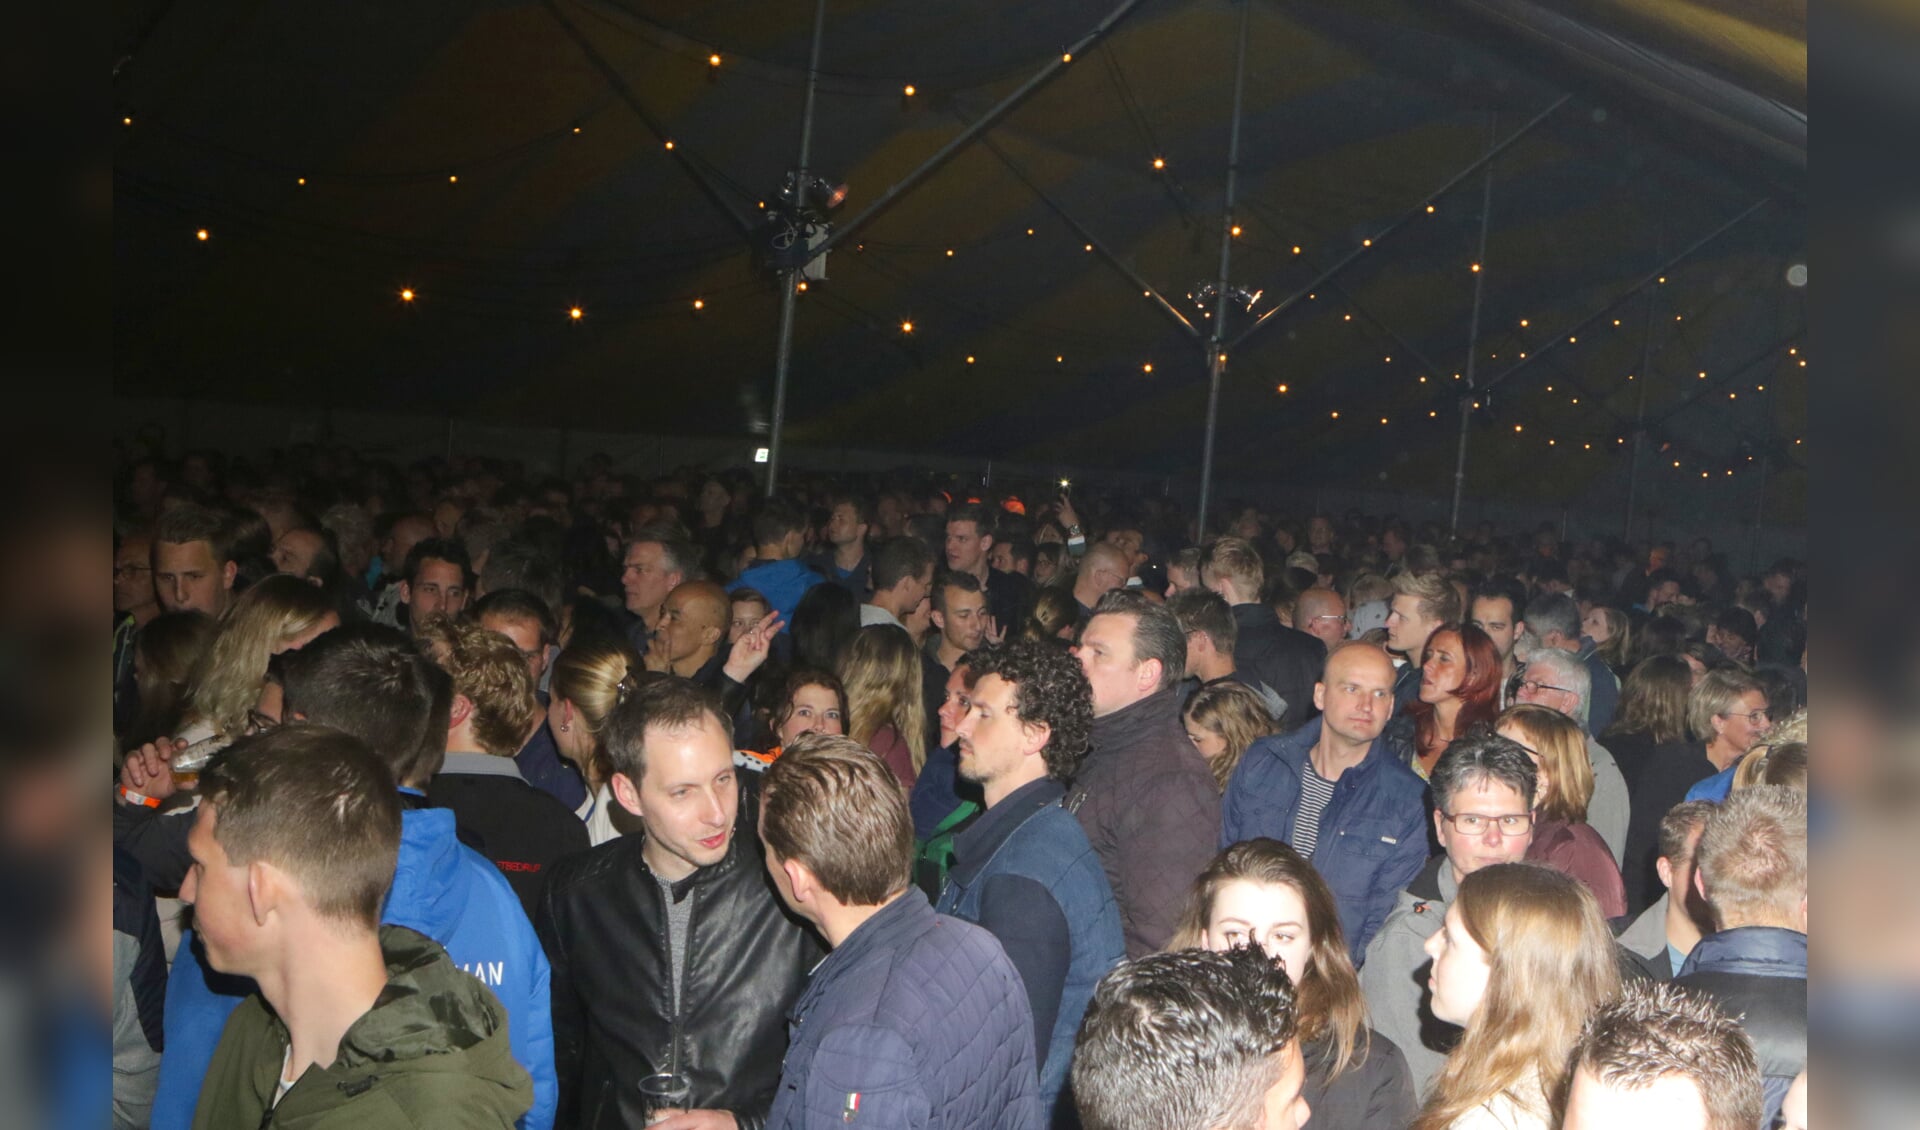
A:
(667, 1093)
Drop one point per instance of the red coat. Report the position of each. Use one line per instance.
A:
(1578, 850)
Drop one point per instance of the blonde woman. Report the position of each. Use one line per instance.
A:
(881, 672)
(1521, 960)
(587, 677)
(1222, 720)
(279, 613)
(1562, 838)
(1260, 892)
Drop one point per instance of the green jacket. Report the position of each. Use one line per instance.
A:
(432, 1052)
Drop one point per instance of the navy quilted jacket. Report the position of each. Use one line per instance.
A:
(916, 1020)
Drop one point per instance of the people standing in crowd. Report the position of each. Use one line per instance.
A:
(1751, 867)
(1612, 636)
(1483, 789)
(914, 1018)
(1143, 794)
(670, 952)
(969, 537)
(1459, 689)
(686, 641)
(522, 829)
(165, 653)
(1220, 1030)
(1208, 622)
(1322, 614)
(293, 851)
(844, 560)
(777, 572)
(1420, 605)
(1267, 651)
(135, 604)
(1558, 680)
(960, 616)
(1660, 939)
(1652, 716)
(657, 560)
(1662, 1056)
(587, 680)
(1338, 793)
(1496, 608)
(437, 580)
(881, 673)
(278, 614)
(1727, 714)
(1261, 893)
(1562, 838)
(523, 620)
(1024, 871)
(1101, 571)
(1520, 961)
(1554, 620)
(366, 681)
(1223, 721)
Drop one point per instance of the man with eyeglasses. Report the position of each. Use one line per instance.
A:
(1483, 791)
(1558, 680)
(1322, 614)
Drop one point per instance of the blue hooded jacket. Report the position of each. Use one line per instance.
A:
(1373, 833)
(441, 888)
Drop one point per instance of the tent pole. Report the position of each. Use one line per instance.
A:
(980, 126)
(1216, 344)
(1473, 329)
(1640, 420)
(790, 278)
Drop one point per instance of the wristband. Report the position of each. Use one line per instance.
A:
(141, 799)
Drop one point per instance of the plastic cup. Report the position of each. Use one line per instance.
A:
(666, 1093)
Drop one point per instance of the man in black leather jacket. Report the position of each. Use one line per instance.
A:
(670, 949)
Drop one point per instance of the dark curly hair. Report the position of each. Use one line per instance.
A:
(1051, 690)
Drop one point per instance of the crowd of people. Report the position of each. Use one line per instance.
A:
(450, 795)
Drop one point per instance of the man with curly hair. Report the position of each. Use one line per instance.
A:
(1025, 870)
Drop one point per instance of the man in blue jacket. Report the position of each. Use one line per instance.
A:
(1025, 871)
(367, 681)
(915, 1019)
(777, 572)
(1335, 792)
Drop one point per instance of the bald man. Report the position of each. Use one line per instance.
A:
(693, 625)
(1322, 614)
(1368, 837)
(1105, 567)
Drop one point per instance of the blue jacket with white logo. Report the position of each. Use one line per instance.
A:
(1373, 833)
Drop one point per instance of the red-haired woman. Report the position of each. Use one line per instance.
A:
(1459, 688)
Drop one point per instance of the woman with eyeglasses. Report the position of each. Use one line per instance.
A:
(1727, 713)
(1562, 838)
(1521, 960)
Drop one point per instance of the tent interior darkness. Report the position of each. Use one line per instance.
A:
(506, 163)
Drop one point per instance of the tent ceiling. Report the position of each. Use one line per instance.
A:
(565, 195)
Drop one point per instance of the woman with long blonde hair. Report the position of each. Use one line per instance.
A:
(1222, 720)
(1562, 838)
(278, 613)
(881, 673)
(587, 677)
(1521, 960)
(1261, 893)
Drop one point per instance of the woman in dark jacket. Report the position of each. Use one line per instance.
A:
(1260, 892)
(1653, 713)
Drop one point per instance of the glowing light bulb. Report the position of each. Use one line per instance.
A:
(453, 178)
(1366, 243)
(202, 235)
(1517, 427)
(906, 327)
(1571, 340)
(126, 121)
(1429, 209)
(576, 129)
(1336, 415)
(949, 252)
(1553, 443)
(1159, 162)
(1059, 360)
(1576, 400)
(406, 294)
(1616, 321)
(1066, 56)
(1586, 447)
(1475, 268)
(1383, 419)
(1388, 360)
(1089, 247)
(800, 287)
(1676, 462)
(1280, 388)
(1703, 374)
(1431, 415)
(1296, 251)
(969, 358)
(1346, 317)
(1147, 368)
(1029, 231)
(300, 181)
(699, 304)
(576, 313)
(669, 143)
(909, 90)
(1423, 380)
(1733, 396)
(713, 60)
(1236, 231)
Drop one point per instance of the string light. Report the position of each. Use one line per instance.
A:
(1366, 243)
(1733, 396)
(126, 121)
(1429, 209)
(1475, 268)
(1236, 231)
(454, 178)
(1759, 388)
(202, 235)
(1296, 251)
(1703, 374)
(576, 129)
(1516, 428)
(1059, 359)
(1616, 321)
(1089, 247)
(1388, 359)
(576, 313)
(1159, 162)
(699, 304)
(669, 143)
(800, 287)
(1523, 323)
(300, 182)
(714, 61)
(949, 252)
(969, 358)
(1383, 419)
(406, 294)
(1553, 443)
(1571, 340)
(906, 327)
(909, 90)
(1431, 415)
(1029, 231)
(1336, 415)
(1423, 379)
(1346, 317)
(1586, 446)
(1066, 56)
(1280, 389)
(1147, 368)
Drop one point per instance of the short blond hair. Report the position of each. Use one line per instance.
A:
(1439, 600)
(1237, 561)
(488, 669)
(1753, 857)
